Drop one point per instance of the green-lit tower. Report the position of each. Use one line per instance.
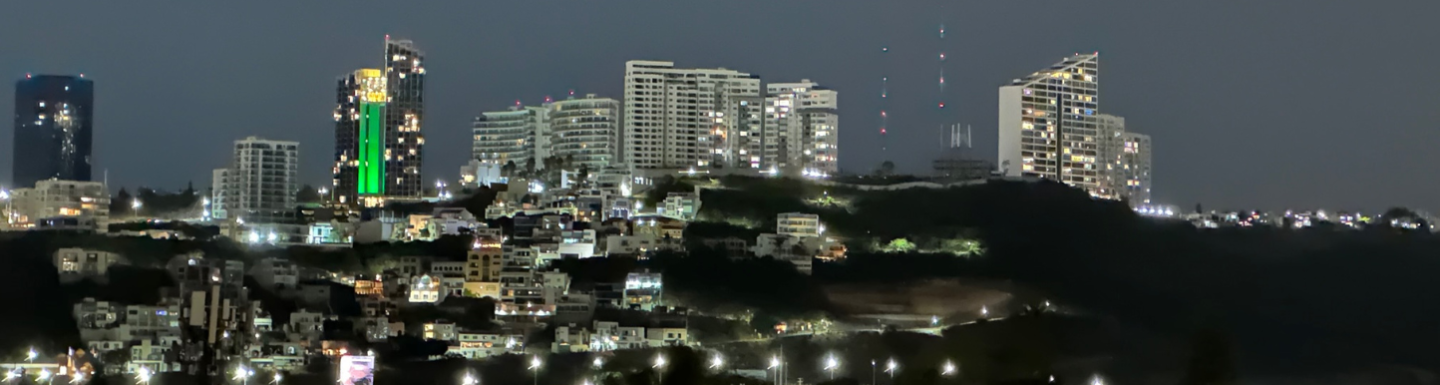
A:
(360, 137)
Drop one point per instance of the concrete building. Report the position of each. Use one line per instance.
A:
(519, 135)
(276, 275)
(482, 268)
(75, 264)
(378, 116)
(54, 122)
(1126, 161)
(798, 225)
(682, 118)
(404, 115)
(585, 130)
(681, 205)
(263, 180)
(643, 291)
(801, 132)
(54, 198)
(219, 188)
(1135, 168)
(1049, 126)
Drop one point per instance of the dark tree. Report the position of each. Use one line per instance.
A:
(1212, 360)
(121, 203)
(308, 194)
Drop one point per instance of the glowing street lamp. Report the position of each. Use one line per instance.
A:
(830, 365)
(135, 204)
(44, 375)
(277, 378)
(11, 375)
(659, 362)
(142, 376)
(469, 380)
(598, 363)
(77, 378)
(947, 369)
(717, 361)
(890, 368)
(243, 374)
(535, 366)
(30, 356)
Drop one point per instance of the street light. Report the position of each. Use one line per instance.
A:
(598, 363)
(277, 378)
(948, 368)
(659, 361)
(11, 375)
(243, 374)
(717, 361)
(890, 367)
(142, 376)
(44, 375)
(77, 378)
(535, 365)
(30, 356)
(831, 364)
(775, 364)
(469, 380)
(135, 204)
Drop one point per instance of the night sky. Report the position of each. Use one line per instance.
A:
(1264, 104)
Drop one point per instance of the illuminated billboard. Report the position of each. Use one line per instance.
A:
(372, 132)
(356, 370)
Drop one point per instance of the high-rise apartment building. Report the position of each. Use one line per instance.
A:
(682, 118)
(801, 131)
(378, 116)
(1126, 161)
(54, 118)
(512, 135)
(1049, 128)
(1135, 167)
(404, 113)
(262, 181)
(360, 137)
(584, 130)
(219, 188)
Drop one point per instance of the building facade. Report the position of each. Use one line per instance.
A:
(510, 136)
(404, 114)
(1049, 126)
(262, 180)
(682, 118)
(585, 130)
(1126, 161)
(378, 115)
(801, 133)
(53, 198)
(54, 119)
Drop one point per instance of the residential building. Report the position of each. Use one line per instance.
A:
(276, 275)
(1135, 168)
(682, 118)
(378, 116)
(585, 130)
(54, 122)
(75, 264)
(681, 205)
(404, 114)
(54, 198)
(799, 225)
(482, 268)
(512, 136)
(643, 290)
(801, 131)
(263, 180)
(1049, 126)
(440, 330)
(219, 188)
(799, 251)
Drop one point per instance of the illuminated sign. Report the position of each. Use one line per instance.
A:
(356, 370)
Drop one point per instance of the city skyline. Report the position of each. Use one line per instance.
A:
(1164, 81)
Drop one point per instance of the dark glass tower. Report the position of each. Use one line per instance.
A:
(53, 121)
(404, 114)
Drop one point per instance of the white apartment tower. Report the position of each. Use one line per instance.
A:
(585, 130)
(262, 181)
(1135, 166)
(519, 135)
(1126, 161)
(1049, 128)
(801, 128)
(683, 118)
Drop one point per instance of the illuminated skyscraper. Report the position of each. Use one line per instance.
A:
(53, 122)
(1049, 128)
(360, 162)
(801, 129)
(683, 118)
(404, 113)
(377, 129)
